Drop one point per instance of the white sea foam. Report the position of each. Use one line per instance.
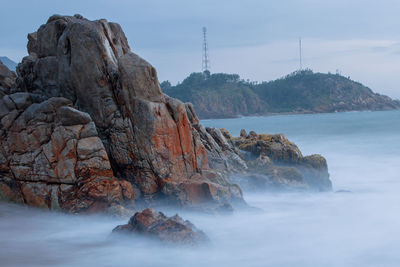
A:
(360, 228)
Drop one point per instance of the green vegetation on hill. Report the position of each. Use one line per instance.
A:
(226, 95)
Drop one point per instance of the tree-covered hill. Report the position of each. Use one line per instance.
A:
(226, 95)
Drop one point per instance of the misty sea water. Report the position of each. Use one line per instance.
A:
(356, 228)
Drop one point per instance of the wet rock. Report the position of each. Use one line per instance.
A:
(156, 225)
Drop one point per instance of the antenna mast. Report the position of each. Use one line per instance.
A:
(206, 61)
(301, 63)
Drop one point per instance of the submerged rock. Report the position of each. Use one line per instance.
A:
(155, 224)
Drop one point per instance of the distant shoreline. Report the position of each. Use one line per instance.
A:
(291, 113)
(222, 95)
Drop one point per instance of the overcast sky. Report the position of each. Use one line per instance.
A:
(256, 39)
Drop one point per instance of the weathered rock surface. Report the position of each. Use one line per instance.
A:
(7, 79)
(51, 157)
(260, 161)
(166, 229)
(87, 126)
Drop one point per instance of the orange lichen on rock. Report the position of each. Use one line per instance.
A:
(88, 125)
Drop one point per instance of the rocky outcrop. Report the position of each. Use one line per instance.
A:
(283, 163)
(262, 162)
(153, 224)
(85, 127)
(51, 157)
(89, 127)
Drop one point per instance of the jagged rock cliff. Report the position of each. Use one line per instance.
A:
(85, 127)
(89, 127)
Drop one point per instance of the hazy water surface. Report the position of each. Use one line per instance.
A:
(361, 228)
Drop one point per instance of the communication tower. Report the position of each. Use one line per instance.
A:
(301, 63)
(206, 60)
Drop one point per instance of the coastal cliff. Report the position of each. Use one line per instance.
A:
(85, 127)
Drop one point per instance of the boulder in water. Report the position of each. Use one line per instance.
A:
(264, 161)
(155, 224)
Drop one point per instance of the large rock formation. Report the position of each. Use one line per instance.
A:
(264, 162)
(85, 126)
(51, 157)
(89, 126)
(156, 225)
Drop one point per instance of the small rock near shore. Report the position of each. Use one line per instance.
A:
(172, 230)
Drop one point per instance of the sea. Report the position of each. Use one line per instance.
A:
(357, 224)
